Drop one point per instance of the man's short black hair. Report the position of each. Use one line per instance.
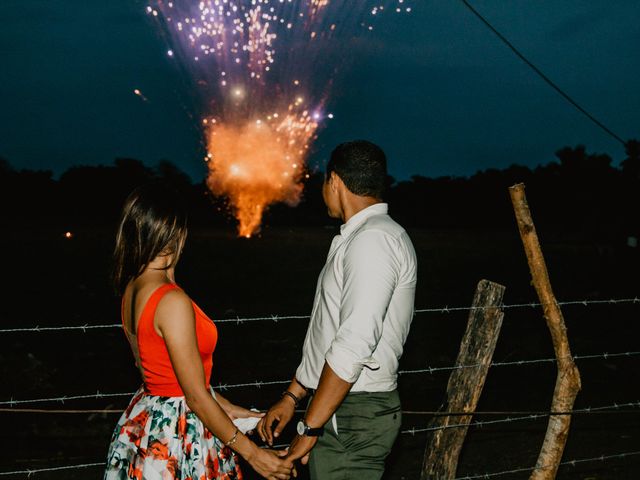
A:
(362, 166)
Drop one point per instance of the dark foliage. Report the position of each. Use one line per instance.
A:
(580, 191)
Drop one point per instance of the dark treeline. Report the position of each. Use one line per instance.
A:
(580, 192)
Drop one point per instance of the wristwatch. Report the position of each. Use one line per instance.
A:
(305, 430)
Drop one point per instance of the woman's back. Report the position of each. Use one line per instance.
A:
(139, 305)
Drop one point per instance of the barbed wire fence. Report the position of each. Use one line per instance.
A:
(627, 407)
(276, 318)
(573, 463)
(264, 383)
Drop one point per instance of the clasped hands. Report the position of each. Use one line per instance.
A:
(264, 462)
(271, 425)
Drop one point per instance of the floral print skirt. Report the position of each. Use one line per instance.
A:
(160, 438)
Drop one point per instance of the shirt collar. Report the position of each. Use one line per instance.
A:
(361, 216)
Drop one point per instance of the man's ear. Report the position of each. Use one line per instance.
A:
(334, 181)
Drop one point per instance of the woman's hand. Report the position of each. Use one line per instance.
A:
(236, 411)
(271, 464)
(241, 414)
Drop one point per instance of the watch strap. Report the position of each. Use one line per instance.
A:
(314, 432)
(311, 432)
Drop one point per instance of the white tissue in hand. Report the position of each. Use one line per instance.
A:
(246, 424)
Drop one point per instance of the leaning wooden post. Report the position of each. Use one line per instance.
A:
(465, 384)
(568, 379)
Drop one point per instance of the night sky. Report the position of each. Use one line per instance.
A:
(435, 88)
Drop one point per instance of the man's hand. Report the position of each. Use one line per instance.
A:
(300, 448)
(280, 414)
(272, 464)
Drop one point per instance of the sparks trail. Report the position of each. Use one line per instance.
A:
(138, 93)
(261, 68)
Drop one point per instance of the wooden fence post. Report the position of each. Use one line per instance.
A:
(465, 384)
(568, 378)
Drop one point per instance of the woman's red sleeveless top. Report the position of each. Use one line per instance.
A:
(159, 376)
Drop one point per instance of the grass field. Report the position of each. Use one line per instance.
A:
(54, 281)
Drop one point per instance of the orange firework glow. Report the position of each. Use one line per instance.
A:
(259, 163)
(263, 70)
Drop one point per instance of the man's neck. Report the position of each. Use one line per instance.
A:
(356, 204)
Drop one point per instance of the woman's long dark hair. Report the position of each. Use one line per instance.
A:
(153, 222)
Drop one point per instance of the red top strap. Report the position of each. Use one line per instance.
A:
(149, 310)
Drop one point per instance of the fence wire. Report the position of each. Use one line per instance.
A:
(33, 471)
(260, 383)
(434, 413)
(414, 430)
(276, 318)
(573, 463)
(601, 458)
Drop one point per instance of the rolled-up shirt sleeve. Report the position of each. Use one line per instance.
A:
(370, 275)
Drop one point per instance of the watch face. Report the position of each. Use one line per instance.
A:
(300, 428)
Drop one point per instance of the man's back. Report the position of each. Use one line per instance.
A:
(364, 304)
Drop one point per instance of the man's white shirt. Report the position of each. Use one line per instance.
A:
(363, 305)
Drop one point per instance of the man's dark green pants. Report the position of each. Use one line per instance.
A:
(367, 426)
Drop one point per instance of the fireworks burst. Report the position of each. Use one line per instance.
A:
(262, 68)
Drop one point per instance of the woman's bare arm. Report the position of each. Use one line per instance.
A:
(175, 321)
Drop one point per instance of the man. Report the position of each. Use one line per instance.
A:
(361, 316)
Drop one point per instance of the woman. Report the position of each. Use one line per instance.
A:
(175, 426)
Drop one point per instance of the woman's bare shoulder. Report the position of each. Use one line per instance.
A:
(175, 305)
